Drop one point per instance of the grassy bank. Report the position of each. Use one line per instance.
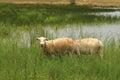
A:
(26, 14)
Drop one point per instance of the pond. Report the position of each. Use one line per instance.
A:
(103, 25)
(102, 31)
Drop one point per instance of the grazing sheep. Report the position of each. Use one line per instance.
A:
(89, 45)
(56, 46)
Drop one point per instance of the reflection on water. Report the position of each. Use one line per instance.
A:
(21, 39)
(101, 32)
(107, 14)
(24, 40)
(108, 8)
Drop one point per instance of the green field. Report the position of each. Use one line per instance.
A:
(26, 61)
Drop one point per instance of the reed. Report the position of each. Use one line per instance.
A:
(28, 62)
(21, 57)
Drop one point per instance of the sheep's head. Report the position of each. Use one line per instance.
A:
(42, 41)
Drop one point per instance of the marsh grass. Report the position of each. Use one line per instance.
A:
(29, 63)
(19, 61)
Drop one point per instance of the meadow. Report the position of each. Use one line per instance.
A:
(21, 57)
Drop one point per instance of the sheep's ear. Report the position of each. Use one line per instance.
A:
(37, 38)
(46, 39)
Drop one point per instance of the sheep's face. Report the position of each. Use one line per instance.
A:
(42, 41)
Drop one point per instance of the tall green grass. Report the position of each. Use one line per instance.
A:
(29, 63)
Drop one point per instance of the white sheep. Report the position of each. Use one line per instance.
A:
(89, 46)
(56, 46)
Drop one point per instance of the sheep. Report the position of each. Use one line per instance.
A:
(89, 46)
(56, 46)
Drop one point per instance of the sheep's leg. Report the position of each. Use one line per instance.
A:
(52, 55)
(101, 54)
(78, 53)
(91, 52)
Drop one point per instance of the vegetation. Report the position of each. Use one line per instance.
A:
(27, 14)
(28, 63)
(21, 57)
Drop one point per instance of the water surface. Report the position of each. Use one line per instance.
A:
(102, 31)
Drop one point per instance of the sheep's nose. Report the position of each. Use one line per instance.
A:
(42, 45)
